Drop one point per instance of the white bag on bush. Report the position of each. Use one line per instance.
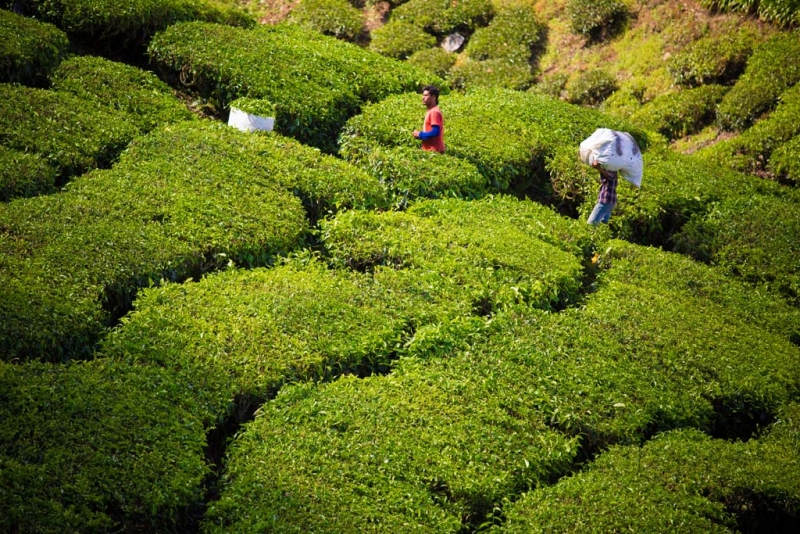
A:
(615, 151)
(249, 123)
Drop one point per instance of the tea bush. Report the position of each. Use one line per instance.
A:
(434, 60)
(29, 49)
(591, 88)
(677, 115)
(97, 446)
(773, 67)
(332, 17)
(410, 173)
(508, 74)
(753, 148)
(505, 134)
(513, 33)
(400, 39)
(682, 480)
(148, 101)
(498, 251)
(712, 60)
(597, 19)
(428, 448)
(104, 21)
(246, 333)
(180, 203)
(751, 237)
(24, 175)
(254, 106)
(316, 82)
(636, 358)
(441, 17)
(781, 12)
(784, 162)
(71, 134)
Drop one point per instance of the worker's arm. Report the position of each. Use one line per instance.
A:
(433, 132)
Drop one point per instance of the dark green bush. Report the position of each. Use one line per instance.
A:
(681, 480)
(254, 106)
(785, 163)
(509, 74)
(597, 19)
(621, 104)
(773, 67)
(677, 115)
(411, 173)
(444, 16)
(505, 134)
(429, 448)
(551, 85)
(147, 100)
(72, 134)
(751, 151)
(249, 332)
(498, 251)
(434, 60)
(751, 237)
(98, 447)
(399, 39)
(781, 12)
(591, 88)
(24, 175)
(105, 21)
(29, 49)
(512, 34)
(327, 79)
(337, 18)
(712, 60)
(182, 201)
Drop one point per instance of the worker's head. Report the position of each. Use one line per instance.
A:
(430, 96)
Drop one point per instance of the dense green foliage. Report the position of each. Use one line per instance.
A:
(488, 254)
(591, 88)
(315, 82)
(435, 60)
(246, 333)
(106, 21)
(781, 12)
(712, 60)
(512, 34)
(331, 17)
(24, 175)
(97, 447)
(411, 173)
(752, 237)
(71, 134)
(752, 149)
(400, 39)
(29, 49)
(596, 19)
(254, 106)
(441, 17)
(681, 480)
(148, 101)
(677, 115)
(773, 67)
(181, 201)
(784, 162)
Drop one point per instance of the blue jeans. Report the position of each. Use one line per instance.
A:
(601, 213)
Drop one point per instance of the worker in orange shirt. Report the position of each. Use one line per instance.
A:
(432, 134)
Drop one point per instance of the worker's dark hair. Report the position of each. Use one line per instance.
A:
(432, 90)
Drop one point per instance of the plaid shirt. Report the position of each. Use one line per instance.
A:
(608, 189)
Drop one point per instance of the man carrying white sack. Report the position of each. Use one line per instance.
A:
(612, 154)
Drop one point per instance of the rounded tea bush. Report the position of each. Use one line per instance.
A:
(29, 49)
(677, 115)
(712, 60)
(435, 60)
(331, 17)
(591, 88)
(597, 19)
(400, 39)
(785, 163)
(24, 175)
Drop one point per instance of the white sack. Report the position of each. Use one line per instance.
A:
(615, 151)
(249, 123)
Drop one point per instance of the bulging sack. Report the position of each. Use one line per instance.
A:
(614, 151)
